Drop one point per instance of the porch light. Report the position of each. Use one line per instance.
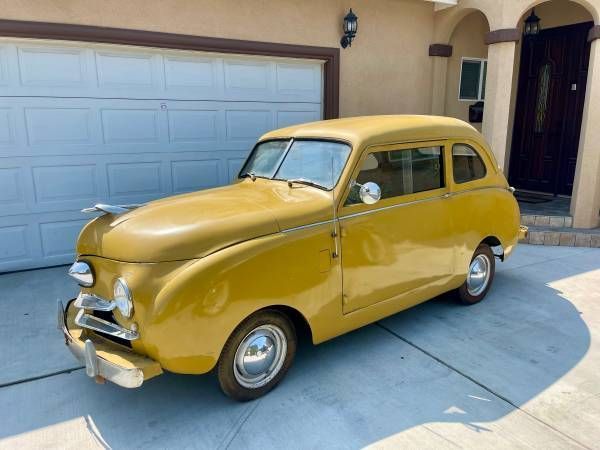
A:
(532, 24)
(350, 27)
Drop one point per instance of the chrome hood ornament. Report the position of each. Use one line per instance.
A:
(111, 209)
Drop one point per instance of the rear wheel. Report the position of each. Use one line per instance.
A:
(479, 276)
(257, 355)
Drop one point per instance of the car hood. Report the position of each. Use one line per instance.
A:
(194, 225)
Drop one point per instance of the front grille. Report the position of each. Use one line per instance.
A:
(108, 316)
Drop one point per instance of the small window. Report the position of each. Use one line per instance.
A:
(401, 172)
(473, 72)
(467, 165)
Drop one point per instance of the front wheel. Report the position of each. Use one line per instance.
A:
(257, 355)
(479, 276)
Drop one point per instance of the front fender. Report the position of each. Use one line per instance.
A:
(200, 305)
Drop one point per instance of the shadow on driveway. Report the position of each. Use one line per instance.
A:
(365, 387)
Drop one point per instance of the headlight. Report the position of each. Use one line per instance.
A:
(82, 272)
(122, 297)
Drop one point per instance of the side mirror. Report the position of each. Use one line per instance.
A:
(370, 193)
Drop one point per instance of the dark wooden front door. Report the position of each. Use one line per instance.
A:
(552, 82)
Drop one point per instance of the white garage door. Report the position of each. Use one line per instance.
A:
(84, 123)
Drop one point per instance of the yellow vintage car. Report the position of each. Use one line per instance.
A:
(330, 226)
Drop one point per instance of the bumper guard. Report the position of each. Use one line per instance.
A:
(103, 359)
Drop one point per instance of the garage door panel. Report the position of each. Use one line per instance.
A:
(287, 118)
(247, 124)
(64, 183)
(35, 240)
(14, 246)
(8, 131)
(93, 123)
(11, 187)
(101, 71)
(196, 73)
(192, 125)
(58, 238)
(130, 126)
(60, 125)
(134, 179)
(192, 175)
(127, 70)
(4, 56)
(48, 66)
(299, 82)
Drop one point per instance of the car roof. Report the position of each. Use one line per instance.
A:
(369, 130)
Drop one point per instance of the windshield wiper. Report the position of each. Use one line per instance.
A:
(305, 181)
(252, 175)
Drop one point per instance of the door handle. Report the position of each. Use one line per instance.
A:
(446, 195)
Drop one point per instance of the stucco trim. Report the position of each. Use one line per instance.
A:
(594, 33)
(86, 33)
(503, 35)
(442, 50)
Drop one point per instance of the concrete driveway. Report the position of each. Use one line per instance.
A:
(521, 369)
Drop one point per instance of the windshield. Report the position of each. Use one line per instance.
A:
(313, 161)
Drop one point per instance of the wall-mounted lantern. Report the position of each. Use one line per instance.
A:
(532, 24)
(350, 27)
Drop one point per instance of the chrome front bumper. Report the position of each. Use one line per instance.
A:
(103, 359)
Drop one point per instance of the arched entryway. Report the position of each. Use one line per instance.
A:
(551, 70)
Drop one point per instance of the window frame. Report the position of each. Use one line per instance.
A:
(480, 93)
(399, 199)
(479, 155)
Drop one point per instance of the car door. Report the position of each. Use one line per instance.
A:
(402, 245)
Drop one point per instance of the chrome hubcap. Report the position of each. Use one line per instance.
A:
(479, 275)
(260, 356)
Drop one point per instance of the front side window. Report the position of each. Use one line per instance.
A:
(467, 165)
(310, 161)
(473, 73)
(401, 172)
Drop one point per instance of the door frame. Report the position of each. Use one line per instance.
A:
(142, 38)
(513, 158)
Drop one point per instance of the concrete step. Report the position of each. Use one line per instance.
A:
(547, 221)
(562, 236)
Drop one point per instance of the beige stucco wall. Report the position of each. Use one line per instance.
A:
(467, 41)
(387, 69)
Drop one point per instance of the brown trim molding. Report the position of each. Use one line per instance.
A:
(503, 35)
(85, 33)
(594, 33)
(443, 50)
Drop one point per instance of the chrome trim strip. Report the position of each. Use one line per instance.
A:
(89, 301)
(103, 326)
(385, 208)
(482, 188)
(399, 205)
(310, 225)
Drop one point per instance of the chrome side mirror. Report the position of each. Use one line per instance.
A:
(370, 193)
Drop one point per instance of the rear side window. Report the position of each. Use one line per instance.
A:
(467, 165)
